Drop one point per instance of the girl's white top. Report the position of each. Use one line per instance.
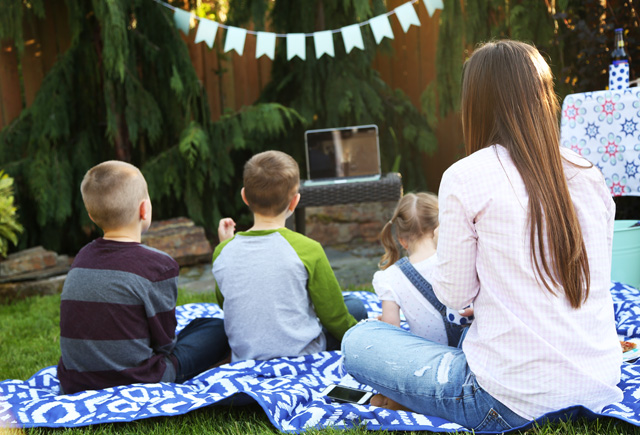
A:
(528, 348)
(424, 320)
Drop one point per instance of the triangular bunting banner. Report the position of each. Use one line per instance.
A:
(182, 19)
(266, 44)
(297, 42)
(207, 32)
(352, 37)
(432, 5)
(381, 27)
(296, 45)
(323, 42)
(235, 40)
(407, 16)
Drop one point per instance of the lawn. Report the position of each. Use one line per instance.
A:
(29, 342)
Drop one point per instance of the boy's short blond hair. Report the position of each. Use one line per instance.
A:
(112, 192)
(271, 180)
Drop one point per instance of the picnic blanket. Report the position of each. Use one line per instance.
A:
(288, 389)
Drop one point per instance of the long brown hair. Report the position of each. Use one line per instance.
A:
(415, 216)
(508, 99)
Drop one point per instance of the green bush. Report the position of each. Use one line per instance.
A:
(9, 226)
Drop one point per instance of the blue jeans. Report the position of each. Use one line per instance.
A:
(201, 344)
(426, 377)
(356, 308)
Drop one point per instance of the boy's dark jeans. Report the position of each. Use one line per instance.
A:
(356, 309)
(200, 345)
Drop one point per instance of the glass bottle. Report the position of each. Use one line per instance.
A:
(619, 54)
(619, 67)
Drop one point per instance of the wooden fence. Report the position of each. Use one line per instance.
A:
(231, 80)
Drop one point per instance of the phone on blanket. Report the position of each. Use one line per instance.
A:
(344, 394)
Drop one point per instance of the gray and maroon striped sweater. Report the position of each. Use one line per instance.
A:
(117, 317)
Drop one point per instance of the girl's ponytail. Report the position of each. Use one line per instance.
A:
(391, 251)
(415, 216)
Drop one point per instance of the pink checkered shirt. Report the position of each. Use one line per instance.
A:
(528, 348)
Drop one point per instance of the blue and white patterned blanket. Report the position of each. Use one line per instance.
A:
(288, 389)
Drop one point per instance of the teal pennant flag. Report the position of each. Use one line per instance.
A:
(296, 46)
(381, 28)
(266, 44)
(432, 5)
(352, 37)
(323, 42)
(235, 39)
(207, 30)
(182, 19)
(407, 16)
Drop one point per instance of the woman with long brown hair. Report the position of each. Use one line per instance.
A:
(525, 234)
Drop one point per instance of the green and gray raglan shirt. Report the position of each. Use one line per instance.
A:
(277, 290)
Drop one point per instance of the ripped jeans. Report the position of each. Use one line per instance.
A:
(427, 377)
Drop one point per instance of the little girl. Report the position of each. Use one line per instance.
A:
(401, 283)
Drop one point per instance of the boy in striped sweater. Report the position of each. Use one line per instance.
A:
(117, 314)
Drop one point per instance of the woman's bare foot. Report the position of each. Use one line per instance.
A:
(385, 402)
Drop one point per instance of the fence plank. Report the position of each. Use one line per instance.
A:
(264, 71)
(9, 83)
(212, 78)
(32, 66)
(428, 46)
(61, 20)
(228, 79)
(411, 74)
(252, 84)
(240, 76)
(46, 34)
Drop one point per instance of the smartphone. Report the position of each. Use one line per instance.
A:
(343, 394)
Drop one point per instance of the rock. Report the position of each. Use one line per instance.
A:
(32, 272)
(340, 224)
(370, 231)
(20, 290)
(29, 260)
(361, 212)
(181, 239)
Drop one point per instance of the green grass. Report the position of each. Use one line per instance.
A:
(29, 342)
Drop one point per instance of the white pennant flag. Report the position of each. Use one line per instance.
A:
(432, 5)
(182, 19)
(407, 16)
(266, 44)
(381, 27)
(352, 37)
(235, 39)
(324, 43)
(296, 46)
(207, 30)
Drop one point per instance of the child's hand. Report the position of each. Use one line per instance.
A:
(226, 229)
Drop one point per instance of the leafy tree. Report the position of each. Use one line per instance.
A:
(575, 35)
(9, 226)
(342, 90)
(125, 89)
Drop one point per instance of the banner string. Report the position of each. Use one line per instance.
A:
(280, 35)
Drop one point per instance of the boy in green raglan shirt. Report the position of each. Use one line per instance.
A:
(278, 291)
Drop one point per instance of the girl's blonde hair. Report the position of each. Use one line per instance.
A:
(415, 216)
(508, 99)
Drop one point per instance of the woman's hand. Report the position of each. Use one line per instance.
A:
(467, 312)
